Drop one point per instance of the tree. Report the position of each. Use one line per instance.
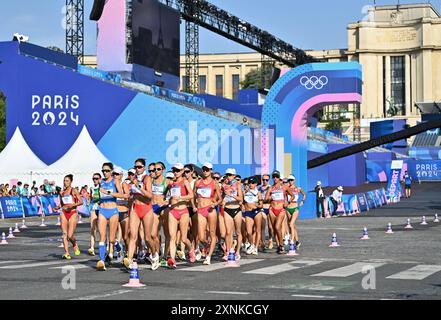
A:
(253, 80)
(2, 121)
(334, 124)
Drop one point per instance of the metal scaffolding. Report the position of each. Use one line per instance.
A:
(75, 28)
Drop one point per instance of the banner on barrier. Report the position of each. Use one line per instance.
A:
(17, 207)
(393, 188)
(11, 207)
(30, 207)
(362, 202)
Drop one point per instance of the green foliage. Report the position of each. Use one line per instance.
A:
(2, 121)
(253, 80)
(334, 125)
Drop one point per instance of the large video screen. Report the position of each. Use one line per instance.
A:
(155, 36)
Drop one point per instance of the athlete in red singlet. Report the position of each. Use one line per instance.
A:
(70, 200)
(207, 191)
(180, 193)
(277, 194)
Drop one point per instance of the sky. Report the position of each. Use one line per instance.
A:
(311, 24)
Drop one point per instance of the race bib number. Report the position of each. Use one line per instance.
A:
(67, 199)
(230, 198)
(296, 198)
(277, 196)
(250, 198)
(157, 190)
(204, 192)
(105, 195)
(135, 190)
(175, 191)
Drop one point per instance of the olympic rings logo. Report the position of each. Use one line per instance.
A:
(314, 82)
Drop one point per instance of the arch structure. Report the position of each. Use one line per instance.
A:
(292, 100)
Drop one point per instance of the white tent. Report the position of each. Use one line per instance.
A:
(82, 161)
(18, 161)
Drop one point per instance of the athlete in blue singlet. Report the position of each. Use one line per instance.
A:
(109, 191)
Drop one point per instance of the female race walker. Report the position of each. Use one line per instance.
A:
(95, 201)
(293, 208)
(123, 212)
(141, 212)
(277, 194)
(232, 201)
(180, 192)
(208, 196)
(159, 190)
(253, 216)
(70, 200)
(110, 190)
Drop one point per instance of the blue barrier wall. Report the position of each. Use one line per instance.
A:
(355, 165)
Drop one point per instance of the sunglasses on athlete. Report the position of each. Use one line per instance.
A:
(187, 171)
(216, 178)
(205, 169)
(265, 180)
(174, 170)
(106, 171)
(96, 179)
(156, 169)
(139, 167)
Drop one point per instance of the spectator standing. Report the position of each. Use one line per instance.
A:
(320, 200)
(19, 187)
(336, 199)
(407, 184)
(25, 191)
(47, 187)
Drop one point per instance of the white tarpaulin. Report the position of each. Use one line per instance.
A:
(17, 160)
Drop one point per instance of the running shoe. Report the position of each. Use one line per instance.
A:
(270, 244)
(198, 255)
(250, 249)
(298, 244)
(225, 258)
(163, 262)
(91, 252)
(66, 257)
(207, 261)
(171, 263)
(119, 257)
(101, 266)
(181, 255)
(141, 255)
(77, 251)
(286, 240)
(155, 263)
(192, 256)
(204, 252)
(280, 249)
(247, 246)
(238, 257)
(255, 252)
(126, 262)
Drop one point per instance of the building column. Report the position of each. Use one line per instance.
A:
(407, 84)
(388, 83)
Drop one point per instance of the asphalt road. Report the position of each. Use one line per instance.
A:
(402, 265)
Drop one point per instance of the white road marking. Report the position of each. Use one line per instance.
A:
(98, 296)
(284, 267)
(348, 270)
(39, 264)
(75, 266)
(15, 261)
(228, 292)
(419, 272)
(312, 296)
(217, 266)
